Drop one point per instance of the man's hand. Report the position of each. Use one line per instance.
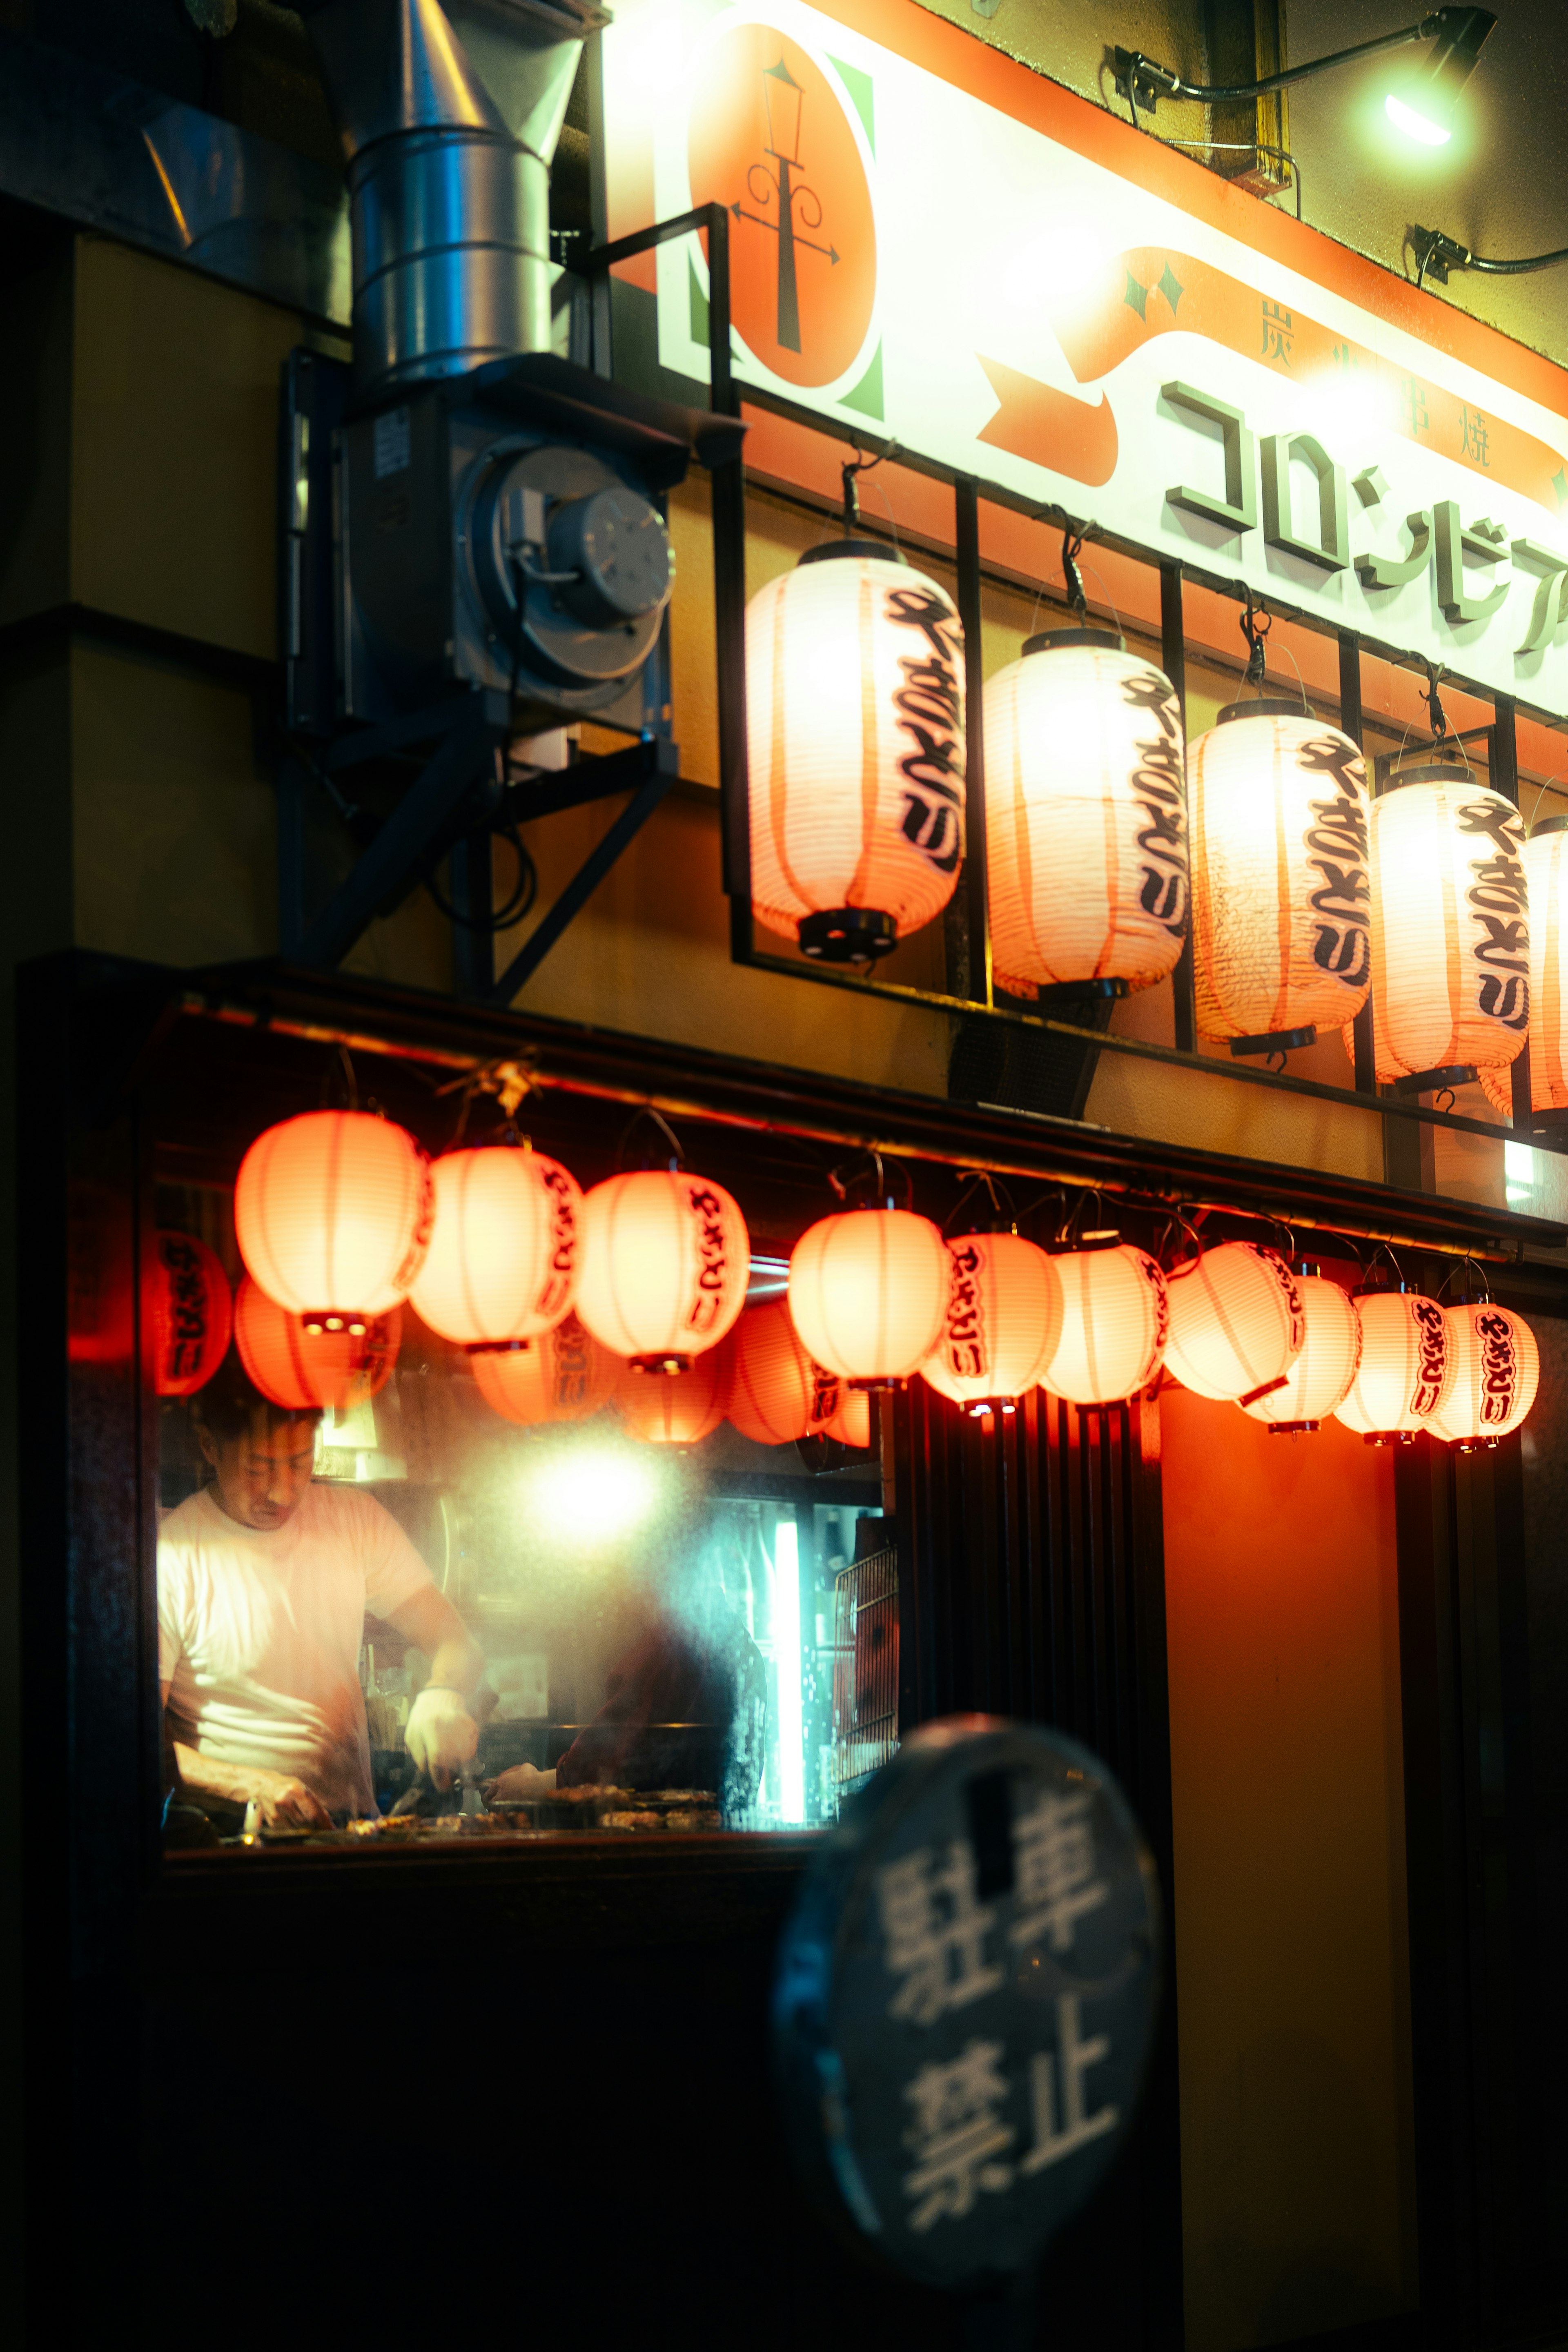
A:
(520, 1781)
(442, 1736)
(275, 1800)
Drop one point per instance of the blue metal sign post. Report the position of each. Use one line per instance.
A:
(965, 2000)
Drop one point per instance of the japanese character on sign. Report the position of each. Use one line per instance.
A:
(1278, 325)
(1054, 1861)
(1476, 445)
(935, 1929)
(1076, 2057)
(1413, 405)
(957, 2136)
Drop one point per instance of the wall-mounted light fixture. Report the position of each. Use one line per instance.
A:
(1422, 107)
(1438, 254)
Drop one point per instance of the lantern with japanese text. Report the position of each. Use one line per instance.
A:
(1451, 931)
(674, 1410)
(191, 1312)
(1546, 875)
(664, 1266)
(1004, 1319)
(855, 716)
(562, 1375)
(867, 1293)
(1322, 1373)
(305, 1368)
(331, 1213)
(502, 1260)
(776, 1392)
(1281, 895)
(1115, 1317)
(1495, 1372)
(1406, 1367)
(1085, 817)
(1237, 1324)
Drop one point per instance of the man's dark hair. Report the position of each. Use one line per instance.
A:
(231, 1405)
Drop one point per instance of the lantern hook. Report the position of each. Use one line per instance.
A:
(1255, 625)
(1434, 702)
(843, 1187)
(343, 1060)
(850, 473)
(1072, 547)
(1069, 1231)
(1467, 1266)
(1176, 1223)
(971, 1177)
(648, 1111)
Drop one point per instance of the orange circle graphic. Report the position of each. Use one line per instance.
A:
(770, 140)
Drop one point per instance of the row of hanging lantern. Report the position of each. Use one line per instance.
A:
(1104, 849)
(637, 1290)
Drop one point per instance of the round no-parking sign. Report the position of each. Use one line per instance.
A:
(965, 1999)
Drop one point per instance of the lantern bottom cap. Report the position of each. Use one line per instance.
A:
(1388, 1437)
(847, 934)
(876, 1387)
(1426, 1081)
(1294, 1428)
(1275, 1040)
(987, 1408)
(1058, 994)
(316, 1319)
(499, 1346)
(1475, 1445)
(662, 1363)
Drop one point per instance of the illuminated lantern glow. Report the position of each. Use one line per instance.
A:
(1115, 1319)
(1321, 1374)
(776, 1392)
(1496, 1372)
(674, 1410)
(855, 715)
(188, 1306)
(1404, 1370)
(1450, 949)
(1004, 1319)
(1237, 1324)
(1546, 873)
(502, 1260)
(867, 1293)
(851, 1425)
(303, 1368)
(665, 1261)
(562, 1375)
(1281, 890)
(331, 1213)
(1085, 815)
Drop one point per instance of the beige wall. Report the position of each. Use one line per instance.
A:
(1297, 2137)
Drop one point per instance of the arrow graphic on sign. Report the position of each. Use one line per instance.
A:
(1050, 429)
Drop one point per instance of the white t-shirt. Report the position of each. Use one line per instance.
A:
(259, 1633)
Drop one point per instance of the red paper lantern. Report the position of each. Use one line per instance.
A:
(1406, 1367)
(502, 1260)
(1114, 1320)
(1496, 1372)
(331, 1212)
(1320, 1376)
(673, 1408)
(776, 1392)
(1237, 1324)
(666, 1259)
(303, 1368)
(1004, 1319)
(188, 1306)
(867, 1293)
(851, 1425)
(563, 1375)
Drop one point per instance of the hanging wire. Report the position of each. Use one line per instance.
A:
(1434, 701)
(849, 475)
(1472, 1265)
(648, 1111)
(1255, 624)
(843, 1184)
(340, 1059)
(1178, 1223)
(1072, 547)
(970, 1179)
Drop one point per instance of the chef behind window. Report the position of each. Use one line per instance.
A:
(264, 1579)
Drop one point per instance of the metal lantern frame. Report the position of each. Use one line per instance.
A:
(972, 995)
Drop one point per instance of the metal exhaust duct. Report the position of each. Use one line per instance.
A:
(450, 116)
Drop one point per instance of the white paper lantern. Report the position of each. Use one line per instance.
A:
(855, 716)
(867, 1293)
(1085, 815)
(1406, 1367)
(1003, 1317)
(1546, 872)
(664, 1263)
(1237, 1324)
(1115, 1317)
(1495, 1373)
(1281, 895)
(1450, 933)
(1320, 1376)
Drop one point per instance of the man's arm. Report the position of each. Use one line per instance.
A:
(282, 1801)
(441, 1735)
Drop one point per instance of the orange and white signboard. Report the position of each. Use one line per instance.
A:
(933, 244)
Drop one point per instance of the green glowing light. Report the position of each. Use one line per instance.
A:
(1414, 126)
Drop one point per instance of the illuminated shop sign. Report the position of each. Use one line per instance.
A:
(932, 243)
